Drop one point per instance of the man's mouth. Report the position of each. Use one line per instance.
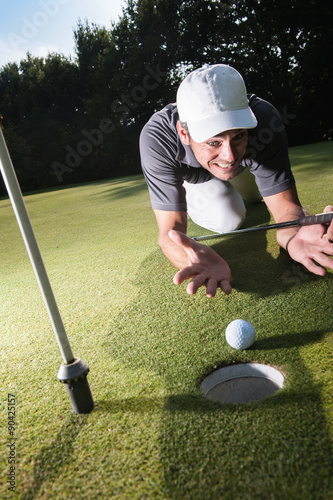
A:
(224, 166)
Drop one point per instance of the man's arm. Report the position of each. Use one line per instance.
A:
(309, 245)
(167, 221)
(197, 262)
(285, 206)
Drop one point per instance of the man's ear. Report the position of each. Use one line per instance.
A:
(183, 134)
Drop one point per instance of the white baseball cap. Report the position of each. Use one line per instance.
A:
(211, 100)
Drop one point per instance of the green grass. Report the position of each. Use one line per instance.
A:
(152, 434)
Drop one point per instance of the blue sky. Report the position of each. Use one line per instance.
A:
(45, 26)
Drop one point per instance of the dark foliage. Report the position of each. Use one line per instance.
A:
(68, 121)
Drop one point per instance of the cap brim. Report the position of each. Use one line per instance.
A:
(212, 126)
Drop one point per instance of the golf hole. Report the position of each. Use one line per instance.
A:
(242, 383)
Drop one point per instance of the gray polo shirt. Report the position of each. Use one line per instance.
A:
(167, 162)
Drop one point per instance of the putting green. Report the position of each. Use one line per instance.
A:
(149, 345)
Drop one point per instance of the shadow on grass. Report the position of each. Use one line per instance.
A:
(193, 403)
(132, 405)
(290, 340)
(253, 268)
(278, 448)
(124, 187)
(52, 459)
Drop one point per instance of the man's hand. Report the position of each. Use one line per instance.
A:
(205, 267)
(313, 245)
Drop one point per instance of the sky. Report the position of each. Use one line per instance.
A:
(46, 26)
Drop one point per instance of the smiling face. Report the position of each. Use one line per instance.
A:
(222, 154)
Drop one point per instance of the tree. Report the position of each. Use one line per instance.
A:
(79, 120)
(39, 102)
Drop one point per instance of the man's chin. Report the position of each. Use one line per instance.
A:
(223, 176)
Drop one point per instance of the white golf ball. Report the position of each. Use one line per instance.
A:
(240, 334)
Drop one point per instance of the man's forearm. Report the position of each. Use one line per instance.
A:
(166, 221)
(173, 252)
(285, 206)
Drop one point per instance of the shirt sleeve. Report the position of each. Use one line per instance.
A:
(268, 151)
(162, 172)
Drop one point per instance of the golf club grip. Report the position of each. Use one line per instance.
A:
(316, 219)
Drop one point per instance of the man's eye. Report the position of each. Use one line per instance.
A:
(213, 143)
(239, 137)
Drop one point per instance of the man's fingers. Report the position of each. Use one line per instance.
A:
(313, 268)
(328, 247)
(324, 260)
(211, 287)
(205, 267)
(183, 275)
(225, 287)
(195, 284)
(200, 280)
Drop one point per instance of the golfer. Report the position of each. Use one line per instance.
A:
(205, 154)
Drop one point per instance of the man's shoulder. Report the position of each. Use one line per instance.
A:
(160, 132)
(264, 111)
(166, 117)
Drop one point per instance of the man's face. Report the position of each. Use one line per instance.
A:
(221, 155)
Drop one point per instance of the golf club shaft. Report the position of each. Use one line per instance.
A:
(303, 221)
(15, 195)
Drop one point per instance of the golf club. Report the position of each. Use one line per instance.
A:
(303, 221)
(73, 371)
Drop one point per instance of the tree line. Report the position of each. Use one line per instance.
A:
(72, 120)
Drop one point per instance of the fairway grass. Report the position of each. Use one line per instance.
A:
(152, 434)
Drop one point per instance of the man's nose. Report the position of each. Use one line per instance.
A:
(226, 152)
